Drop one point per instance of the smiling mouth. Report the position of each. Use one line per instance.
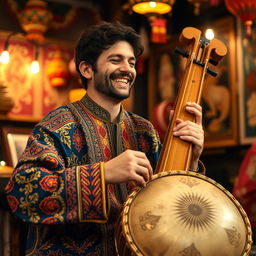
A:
(122, 81)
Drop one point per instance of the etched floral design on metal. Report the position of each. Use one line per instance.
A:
(189, 251)
(190, 181)
(148, 221)
(234, 236)
(194, 211)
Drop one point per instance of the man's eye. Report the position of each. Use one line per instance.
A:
(132, 64)
(114, 60)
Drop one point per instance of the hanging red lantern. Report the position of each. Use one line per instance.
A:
(57, 70)
(35, 19)
(245, 10)
(158, 30)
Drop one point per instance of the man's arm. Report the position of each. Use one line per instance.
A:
(46, 188)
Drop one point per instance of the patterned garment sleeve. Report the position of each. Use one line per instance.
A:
(45, 189)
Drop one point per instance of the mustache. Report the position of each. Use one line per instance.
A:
(122, 74)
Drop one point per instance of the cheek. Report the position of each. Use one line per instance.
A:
(134, 73)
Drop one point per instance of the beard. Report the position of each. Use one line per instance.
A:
(104, 84)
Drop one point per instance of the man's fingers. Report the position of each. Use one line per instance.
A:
(139, 180)
(186, 124)
(189, 132)
(140, 154)
(130, 165)
(142, 160)
(144, 172)
(195, 109)
(146, 164)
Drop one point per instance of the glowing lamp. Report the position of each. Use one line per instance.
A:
(5, 57)
(244, 10)
(57, 70)
(151, 7)
(209, 34)
(35, 67)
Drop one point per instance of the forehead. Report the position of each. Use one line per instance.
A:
(122, 48)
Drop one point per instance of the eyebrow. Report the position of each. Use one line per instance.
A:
(120, 56)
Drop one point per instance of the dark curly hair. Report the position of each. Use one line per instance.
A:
(99, 38)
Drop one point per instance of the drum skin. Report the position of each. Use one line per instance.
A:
(182, 213)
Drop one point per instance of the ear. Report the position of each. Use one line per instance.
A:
(86, 70)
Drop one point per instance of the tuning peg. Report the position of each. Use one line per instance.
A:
(213, 62)
(181, 52)
(212, 72)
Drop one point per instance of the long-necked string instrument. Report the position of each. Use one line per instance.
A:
(179, 212)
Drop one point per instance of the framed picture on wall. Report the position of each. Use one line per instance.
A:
(246, 66)
(219, 99)
(14, 142)
(219, 93)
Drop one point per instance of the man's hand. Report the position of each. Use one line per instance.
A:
(191, 131)
(131, 165)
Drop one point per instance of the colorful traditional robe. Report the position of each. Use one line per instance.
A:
(58, 185)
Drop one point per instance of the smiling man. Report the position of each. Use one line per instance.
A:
(83, 159)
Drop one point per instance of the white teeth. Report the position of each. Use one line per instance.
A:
(121, 80)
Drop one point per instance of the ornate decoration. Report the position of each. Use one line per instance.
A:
(194, 211)
(148, 221)
(234, 236)
(35, 19)
(190, 251)
(190, 181)
(39, 16)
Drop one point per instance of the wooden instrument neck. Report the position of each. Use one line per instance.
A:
(176, 153)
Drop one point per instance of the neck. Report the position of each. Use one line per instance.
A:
(108, 103)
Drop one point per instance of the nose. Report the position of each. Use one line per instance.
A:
(126, 66)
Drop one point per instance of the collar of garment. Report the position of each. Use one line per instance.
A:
(99, 111)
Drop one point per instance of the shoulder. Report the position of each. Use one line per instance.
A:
(59, 117)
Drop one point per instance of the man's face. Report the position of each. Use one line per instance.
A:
(116, 72)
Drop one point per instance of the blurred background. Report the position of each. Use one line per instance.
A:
(37, 75)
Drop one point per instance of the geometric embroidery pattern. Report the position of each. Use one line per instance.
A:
(103, 138)
(91, 192)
